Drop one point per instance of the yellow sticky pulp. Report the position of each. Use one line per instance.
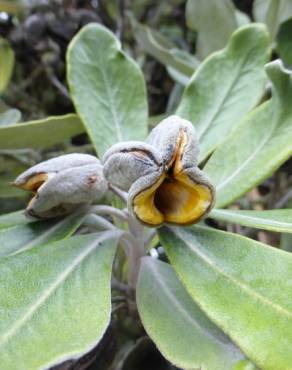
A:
(190, 200)
(34, 182)
(144, 206)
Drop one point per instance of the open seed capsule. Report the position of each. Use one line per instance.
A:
(162, 175)
(62, 184)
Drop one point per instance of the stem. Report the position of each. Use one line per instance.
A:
(118, 306)
(131, 240)
(284, 200)
(118, 299)
(120, 193)
(95, 220)
(120, 20)
(150, 237)
(134, 253)
(109, 210)
(118, 285)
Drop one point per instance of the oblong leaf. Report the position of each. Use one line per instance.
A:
(226, 86)
(155, 44)
(13, 218)
(214, 21)
(55, 301)
(107, 88)
(166, 309)
(272, 13)
(40, 133)
(8, 191)
(284, 43)
(16, 239)
(261, 143)
(244, 286)
(279, 220)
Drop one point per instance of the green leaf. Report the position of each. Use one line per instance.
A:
(261, 143)
(6, 63)
(279, 220)
(55, 301)
(241, 18)
(154, 120)
(272, 13)
(286, 238)
(16, 239)
(7, 190)
(242, 285)
(10, 117)
(14, 218)
(284, 42)
(286, 242)
(226, 86)
(41, 133)
(107, 88)
(155, 44)
(214, 21)
(166, 310)
(178, 76)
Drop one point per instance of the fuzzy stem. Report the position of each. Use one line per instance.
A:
(108, 210)
(118, 285)
(134, 241)
(95, 220)
(120, 193)
(133, 250)
(151, 235)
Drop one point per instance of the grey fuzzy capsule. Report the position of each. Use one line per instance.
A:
(162, 175)
(126, 162)
(166, 138)
(63, 184)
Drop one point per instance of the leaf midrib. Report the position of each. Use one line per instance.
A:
(112, 106)
(250, 158)
(224, 99)
(43, 236)
(18, 324)
(255, 218)
(40, 239)
(180, 307)
(234, 281)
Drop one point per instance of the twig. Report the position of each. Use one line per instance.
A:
(118, 285)
(55, 81)
(284, 200)
(59, 85)
(118, 299)
(120, 21)
(117, 307)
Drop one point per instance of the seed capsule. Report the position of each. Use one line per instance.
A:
(62, 184)
(162, 175)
